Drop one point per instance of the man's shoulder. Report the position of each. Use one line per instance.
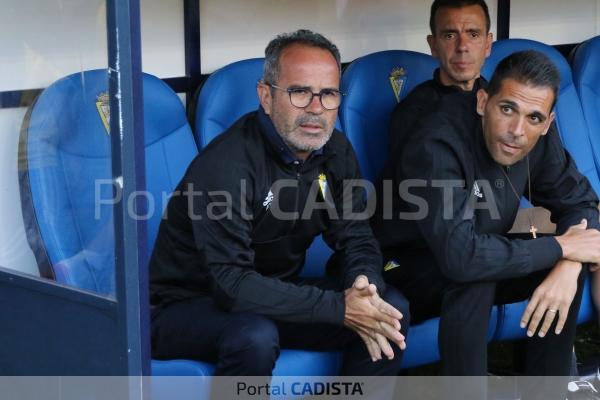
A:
(338, 143)
(426, 93)
(452, 122)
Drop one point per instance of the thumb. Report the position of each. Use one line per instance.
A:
(361, 282)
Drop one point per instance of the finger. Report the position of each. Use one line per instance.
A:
(393, 334)
(562, 319)
(384, 317)
(372, 346)
(549, 317)
(531, 306)
(373, 289)
(386, 308)
(594, 267)
(385, 347)
(374, 349)
(537, 316)
(361, 282)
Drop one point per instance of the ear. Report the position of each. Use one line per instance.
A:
(549, 121)
(431, 43)
(482, 99)
(264, 96)
(488, 45)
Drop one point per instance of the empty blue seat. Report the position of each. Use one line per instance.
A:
(66, 181)
(586, 77)
(575, 136)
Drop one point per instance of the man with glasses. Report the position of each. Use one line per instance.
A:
(224, 274)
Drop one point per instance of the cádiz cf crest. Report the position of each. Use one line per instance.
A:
(104, 110)
(398, 81)
(323, 185)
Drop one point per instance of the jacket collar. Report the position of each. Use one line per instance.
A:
(480, 83)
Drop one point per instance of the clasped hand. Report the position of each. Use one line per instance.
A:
(373, 319)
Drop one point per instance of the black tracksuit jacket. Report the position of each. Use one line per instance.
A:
(247, 259)
(468, 243)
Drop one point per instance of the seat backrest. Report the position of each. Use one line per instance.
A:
(227, 94)
(65, 174)
(586, 77)
(570, 121)
(370, 99)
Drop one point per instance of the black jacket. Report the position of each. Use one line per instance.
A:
(468, 243)
(247, 256)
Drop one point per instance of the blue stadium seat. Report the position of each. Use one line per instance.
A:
(586, 77)
(65, 179)
(365, 116)
(228, 94)
(367, 107)
(574, 133)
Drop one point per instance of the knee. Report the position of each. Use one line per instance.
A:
(253, 342)
(477, 294)
(395, 298)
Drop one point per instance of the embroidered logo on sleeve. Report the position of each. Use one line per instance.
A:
(268, 200)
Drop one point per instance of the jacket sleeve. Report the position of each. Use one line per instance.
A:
(446, 217)
(558, 186)
(222, 230)
(350, 235)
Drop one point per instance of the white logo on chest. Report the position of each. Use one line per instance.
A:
(268, 200)
(477, 191)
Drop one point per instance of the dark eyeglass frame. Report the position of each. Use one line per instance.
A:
(313, 95)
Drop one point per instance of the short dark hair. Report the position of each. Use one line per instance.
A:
(437, 4)
(281, 42)
(529, 67)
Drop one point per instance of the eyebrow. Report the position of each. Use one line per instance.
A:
(449, 30)
(298, 87)
(542, 117)
(454, 30)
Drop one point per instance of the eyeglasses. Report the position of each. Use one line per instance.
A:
(302, 97)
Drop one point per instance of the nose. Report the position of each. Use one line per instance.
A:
(315, 106)
(462, 41)
(517, 127)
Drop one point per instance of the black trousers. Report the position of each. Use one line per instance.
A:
(246, 344)
(464, 310)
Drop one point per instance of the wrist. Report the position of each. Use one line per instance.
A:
(570, 265)
(564, 244)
